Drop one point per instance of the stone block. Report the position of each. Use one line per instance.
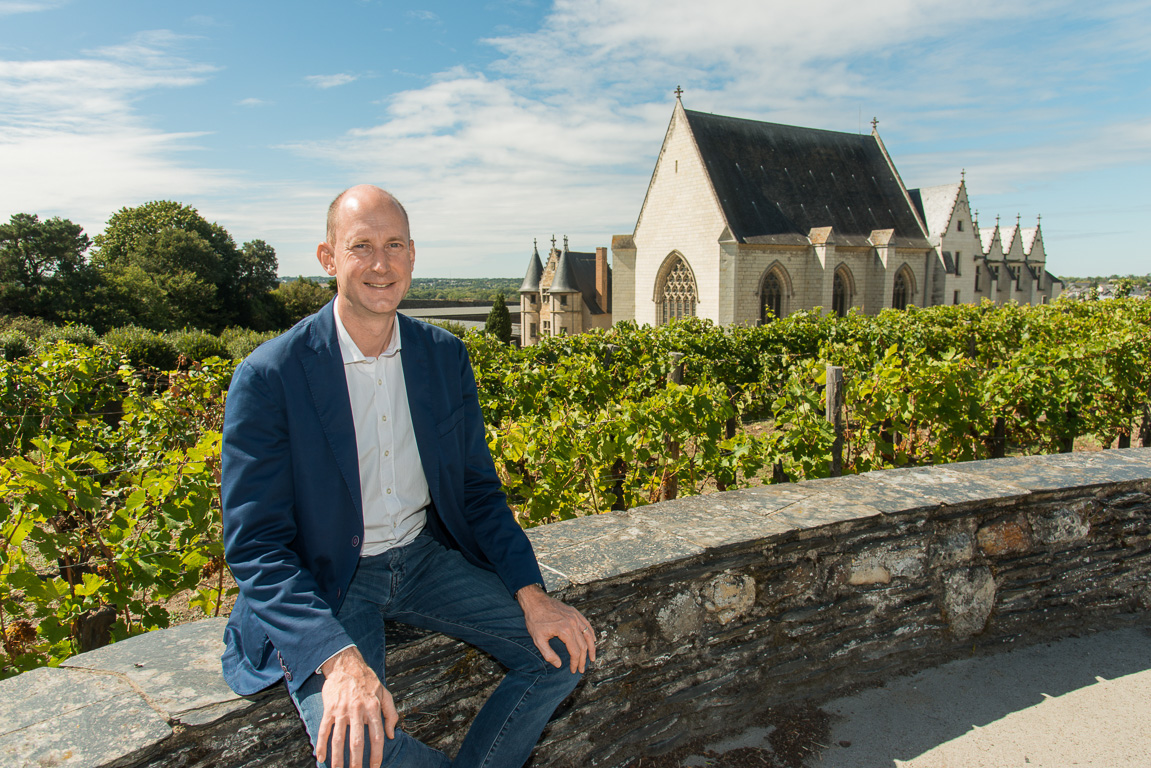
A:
(177, 671)
(942, 486)
(1063, 524)
(730, 596)
(953, 544)
(1005, 537)
(70, 718)
(968, 597)
(681, 618)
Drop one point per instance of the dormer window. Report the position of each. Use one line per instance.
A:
(959, 226)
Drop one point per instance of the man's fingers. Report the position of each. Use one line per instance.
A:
(339, 733)
(355, 744)
(391, 716)
(376, 736)
(322, 738)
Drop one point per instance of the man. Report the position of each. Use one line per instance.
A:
(358, 486)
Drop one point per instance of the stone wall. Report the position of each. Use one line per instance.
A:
(710, 610)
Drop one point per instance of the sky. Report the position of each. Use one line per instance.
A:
(497, 122)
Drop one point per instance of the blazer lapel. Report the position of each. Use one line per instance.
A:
(416, 361)
(324, 370)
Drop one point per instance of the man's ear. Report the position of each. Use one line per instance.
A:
(327, 258)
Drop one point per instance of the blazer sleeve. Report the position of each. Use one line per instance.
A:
(260, 532)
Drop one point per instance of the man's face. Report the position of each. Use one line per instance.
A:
(371, 257)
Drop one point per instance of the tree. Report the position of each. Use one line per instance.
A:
(499, 322)
(129, 226)
(255, 279)
(40, 265)
(300, 298)
(175, 243)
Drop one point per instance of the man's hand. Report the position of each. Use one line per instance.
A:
(547, 618)
(353, 697)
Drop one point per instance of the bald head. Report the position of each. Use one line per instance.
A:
(357, 196)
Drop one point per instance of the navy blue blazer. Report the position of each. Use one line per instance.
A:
(293, 517)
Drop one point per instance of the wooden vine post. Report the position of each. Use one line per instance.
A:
(834, 413)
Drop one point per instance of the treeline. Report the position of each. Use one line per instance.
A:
(159, 266)
(464, 288)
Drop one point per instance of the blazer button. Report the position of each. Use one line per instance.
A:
(288, 676)
(355, 541)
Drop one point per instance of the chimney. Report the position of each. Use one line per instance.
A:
(601, 278)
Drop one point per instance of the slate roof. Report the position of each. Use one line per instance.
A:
(986, 238)
(936, 206)
(531, 283)
(776, 182)
(579, 276)
(564, 281)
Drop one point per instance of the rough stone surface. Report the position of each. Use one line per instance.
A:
(709, 609)
(179, 678)
(67, 718)
(968, 597)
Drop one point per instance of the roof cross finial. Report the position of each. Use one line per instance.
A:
(565, 242)
(874, 124)
(1039, 219)
(678, 93)
(963, 174)
(553, 242)
(1017, 217)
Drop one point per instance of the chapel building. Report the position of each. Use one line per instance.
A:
(745, 221)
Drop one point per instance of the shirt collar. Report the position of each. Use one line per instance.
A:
(350, 352)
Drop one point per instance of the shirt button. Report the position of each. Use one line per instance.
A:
(389, 490)
(384, 417)
(355, 541)
(379, 382)
(387, 453)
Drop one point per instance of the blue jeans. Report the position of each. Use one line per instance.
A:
(427, 585)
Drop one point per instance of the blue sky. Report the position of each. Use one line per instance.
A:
(502, 121)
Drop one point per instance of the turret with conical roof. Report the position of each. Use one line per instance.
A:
(531, 283)
(564, 281)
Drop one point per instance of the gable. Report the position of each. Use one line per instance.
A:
(678, 179)
(937, 206)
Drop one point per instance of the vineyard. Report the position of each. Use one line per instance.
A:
(109, 470)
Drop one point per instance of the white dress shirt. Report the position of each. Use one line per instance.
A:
(393, 487)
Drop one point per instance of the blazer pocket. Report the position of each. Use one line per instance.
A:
(451, 423)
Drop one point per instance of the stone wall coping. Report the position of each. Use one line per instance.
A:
(120, 704)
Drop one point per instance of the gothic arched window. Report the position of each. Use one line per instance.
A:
(771, 298)
(841, 292)
(901, 292)
(677, 295)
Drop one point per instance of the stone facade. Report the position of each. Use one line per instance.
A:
(711, 609)
(770, 219)
(1000, 264)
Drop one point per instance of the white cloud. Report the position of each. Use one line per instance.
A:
(330, 81)
(12, 7)
(251, 101)
(70, 133)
